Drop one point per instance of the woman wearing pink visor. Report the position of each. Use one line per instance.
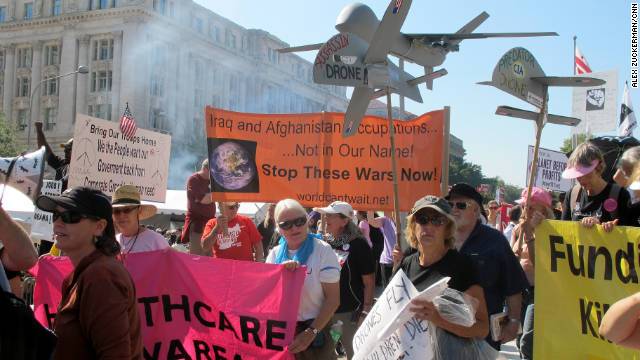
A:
(593, 201)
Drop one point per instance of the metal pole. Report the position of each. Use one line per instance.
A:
(444, 182)
(401, 63)
(574, 135)
(394, 170)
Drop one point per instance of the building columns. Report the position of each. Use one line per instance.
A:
(9, 76)
(36, 76)
(83, 79)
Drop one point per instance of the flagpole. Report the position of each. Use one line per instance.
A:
(574, 135)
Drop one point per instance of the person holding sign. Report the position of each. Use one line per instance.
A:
(232, 236)
(321, 291)
(431, 230)
(200, 208)
(128, 211)
(593, 201)
(98, 314)
(356, 275)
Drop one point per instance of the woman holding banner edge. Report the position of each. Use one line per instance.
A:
(321, 291)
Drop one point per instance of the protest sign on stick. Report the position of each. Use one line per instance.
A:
(580, 273)
(550, 166)
(244, 316)
(104, 159)
(42, 226)
(257, 157)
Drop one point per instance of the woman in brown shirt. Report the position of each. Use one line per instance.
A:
(97, 317)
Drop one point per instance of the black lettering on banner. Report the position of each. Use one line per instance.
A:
(202, 349)
(587, 325)
(156, 352)
(196, 311)
(555, 254)
(250, 325)
(49, 315)
(167, 307)
(273, 335)
(593, 257)
(147, 301)
(629, 258)
(177, 351)
(226, 324)
(577, 271)
(397, 293)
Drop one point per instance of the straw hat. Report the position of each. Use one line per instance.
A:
(128, 195)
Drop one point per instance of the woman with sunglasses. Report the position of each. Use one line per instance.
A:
(128, 211)
(321, 292)
(358, 269)
(98, 315)
(431, 230)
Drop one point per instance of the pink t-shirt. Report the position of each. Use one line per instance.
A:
(147, 240)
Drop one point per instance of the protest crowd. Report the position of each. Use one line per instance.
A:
(487, 257)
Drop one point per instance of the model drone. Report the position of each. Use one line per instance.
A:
(358, 55)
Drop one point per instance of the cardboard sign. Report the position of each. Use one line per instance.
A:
(596, 106)
(267, 158)
(103, 159)
(580, 272)
(551, 164)
(42, 225)
(199, 307)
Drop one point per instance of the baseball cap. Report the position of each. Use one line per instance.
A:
(465, 190)
(85, 200)
(579, 170)
(337, 207)
(538, 195)
(67, 144)
(433, 202)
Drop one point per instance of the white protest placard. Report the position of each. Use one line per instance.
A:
(407, 340)
(103, 159)
(596, 106)
(551, 164)
(42, 224)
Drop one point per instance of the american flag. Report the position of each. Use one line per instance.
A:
(582, 67)
(397, 6)
(128, 123)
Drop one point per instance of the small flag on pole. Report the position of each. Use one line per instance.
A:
(627, 116)
(582, 67)
(128, 123)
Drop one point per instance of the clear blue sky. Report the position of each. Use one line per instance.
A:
(498, 144)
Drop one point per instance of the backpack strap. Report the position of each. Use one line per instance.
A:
(613, 194)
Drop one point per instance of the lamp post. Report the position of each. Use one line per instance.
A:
(81, 70)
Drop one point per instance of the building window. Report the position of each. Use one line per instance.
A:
(50, 87)
(160, 6)
(22, 118)
(57, 8)
(230, 39)
(157, 86)
(51, 55)
(22, 86)
(28, 11)
(156, 118)
(102, 111)
(3, 13)
(50, 116)
(1, 60)
(103, 4)
(101, 81)
(103, 49)
(272, 55)
(198, 25)
(24, 58)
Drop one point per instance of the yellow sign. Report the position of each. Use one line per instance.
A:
(579, 273)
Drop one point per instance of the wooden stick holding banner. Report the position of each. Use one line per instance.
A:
(444, 181)
(394, 170)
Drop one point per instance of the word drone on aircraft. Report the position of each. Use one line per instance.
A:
(358, 55)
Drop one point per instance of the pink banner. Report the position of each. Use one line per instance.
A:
(194, 307)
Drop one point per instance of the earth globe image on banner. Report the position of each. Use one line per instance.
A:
(232, 166)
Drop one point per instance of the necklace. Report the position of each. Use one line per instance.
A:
(126, 243)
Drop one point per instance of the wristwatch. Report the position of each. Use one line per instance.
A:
(312, 330)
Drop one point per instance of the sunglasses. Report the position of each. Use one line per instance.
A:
(286, 225)
(70, 216)
(123, 210)
(460, 205)
(433, 220)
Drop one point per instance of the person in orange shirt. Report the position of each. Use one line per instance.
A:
(232, 236)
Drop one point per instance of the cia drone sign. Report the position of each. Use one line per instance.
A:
(518, 73)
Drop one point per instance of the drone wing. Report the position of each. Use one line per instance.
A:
(309, 47)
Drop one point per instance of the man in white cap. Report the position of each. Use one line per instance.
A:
(128, 211)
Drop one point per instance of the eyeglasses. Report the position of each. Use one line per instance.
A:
(460, 205)
(70, 216)
(286, 225)
(433, 220)
(123, 210)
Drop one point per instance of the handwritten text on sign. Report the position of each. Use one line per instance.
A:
(105, 160)
(42, 226)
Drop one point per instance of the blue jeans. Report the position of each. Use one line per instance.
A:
(526, 341)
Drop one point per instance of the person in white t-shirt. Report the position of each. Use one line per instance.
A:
(128, 211)
(321, 291)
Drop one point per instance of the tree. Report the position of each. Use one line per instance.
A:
(567, 146)
(9, 147)
(463, 171)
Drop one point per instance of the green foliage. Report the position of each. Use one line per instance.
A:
(566, 144)
(8, 134)
(470, 173)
